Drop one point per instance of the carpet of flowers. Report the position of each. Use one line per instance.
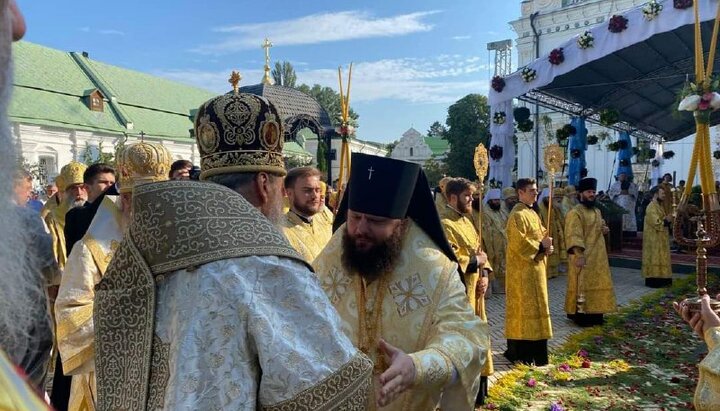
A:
(644, 357)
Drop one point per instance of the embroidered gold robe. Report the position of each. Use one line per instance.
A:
(55, 222)
(583, 229)
(667, 205)
(656, 243)
(568, 202)
(210, 308)
(495, 241)
(15, 393)
(707, 392)
(74, 304)
(527, 312)
(440, 202)
(558, 235)
(308, 239)
(464, 240)
(424, 312)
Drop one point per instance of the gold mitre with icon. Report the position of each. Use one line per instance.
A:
(72, 173)
(239, 133)
(142, 163)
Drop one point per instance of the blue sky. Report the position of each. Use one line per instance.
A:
(412, 59)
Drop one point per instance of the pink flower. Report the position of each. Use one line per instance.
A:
(582, 353)
(586, 364)
(564, 368)
(531, 382)
(703, 105)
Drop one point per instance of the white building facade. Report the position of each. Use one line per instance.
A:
(418, 149)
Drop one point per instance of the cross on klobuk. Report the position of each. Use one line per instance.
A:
(370, 174)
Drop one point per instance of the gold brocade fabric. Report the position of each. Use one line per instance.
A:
(656, 261)
(568, 202)
(55, 221)
(463, 238)
(425, 313)
(495, 240)
(583, 229)
(219, 240)
(74, 304)
(527, 313)
(440, 202)
(308, 239)
(15, 393)
(707, 392)
(667, 205)
(558, 235)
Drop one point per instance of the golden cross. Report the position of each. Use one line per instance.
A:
(266, 45)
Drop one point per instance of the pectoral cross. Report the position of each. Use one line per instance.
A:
(371, 171)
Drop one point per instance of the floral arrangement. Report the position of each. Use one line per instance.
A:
(496, 152)
(682, 4)
(635, 151)
(609, 116)
(528, 74)
(716, 154)
(495, 183)
(651, 10)
(700, 99)
(617, 24)
(499, 117)
(668, 155)
(497, 84)
(586, 40)
(575, 153)
(525, 126)
(652, 153)
(557, 56)
(521, 114)
(345, 130)
(624, 162)
(565, 132)
(656, 163)
(614, 146)
(592, 139)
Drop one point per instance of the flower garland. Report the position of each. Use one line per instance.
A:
(716, 154)
(656, 163)
(521, 114)
(525, 125)
(614, 146)
(493, 183)
(557, 56)
(702, 102)
(682, 4)
(586, 40)
(496, 152)
(592, 139)
(499, 117)
(345, 130)
(528, 74)
(617, 24)
(565, 132)
(668, 155)
(497, 84)
(651, 10)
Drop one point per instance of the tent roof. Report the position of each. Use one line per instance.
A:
(638, 72)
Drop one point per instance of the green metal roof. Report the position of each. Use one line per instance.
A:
(50, 85)
(291, 148)
(438, 146)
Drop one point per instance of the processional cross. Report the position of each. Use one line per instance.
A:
(266, 45)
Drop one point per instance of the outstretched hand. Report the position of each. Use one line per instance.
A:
(702, 321)
(398, 378)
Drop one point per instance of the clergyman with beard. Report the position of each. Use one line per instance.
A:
(589, 270)
(494, 222)
(392, 276)
(205, 303)
(74, 195)
(656, 262)
(463, 237)
(304, 224)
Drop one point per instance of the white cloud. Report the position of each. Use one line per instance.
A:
(441, 79)
(112, 32)
(317, 28)
(461, 38)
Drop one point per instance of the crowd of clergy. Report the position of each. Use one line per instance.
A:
(242, 285)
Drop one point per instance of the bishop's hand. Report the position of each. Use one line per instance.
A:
(398, 378)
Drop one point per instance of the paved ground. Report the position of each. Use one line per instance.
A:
(629, 285)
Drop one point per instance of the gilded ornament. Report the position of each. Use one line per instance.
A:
(554, 158)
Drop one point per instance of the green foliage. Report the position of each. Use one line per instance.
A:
(93, 155)
(468, 123)
(435, 170)
(437, 130)
(390, 147)
(321, 156)
(284, 74)
(328, 99)
(32, 168)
